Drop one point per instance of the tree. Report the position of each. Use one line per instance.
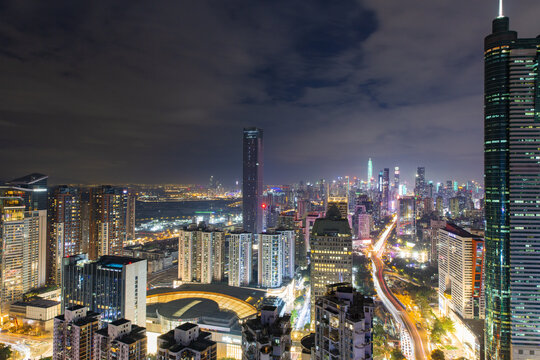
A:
(437, 355)
(397, 355)
(5, 352)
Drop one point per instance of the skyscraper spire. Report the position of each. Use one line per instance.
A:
(501, 9)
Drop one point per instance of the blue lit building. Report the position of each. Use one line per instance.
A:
(113, 286)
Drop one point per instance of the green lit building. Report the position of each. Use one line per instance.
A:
(512, 203)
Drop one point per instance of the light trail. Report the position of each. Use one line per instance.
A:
(409, 333)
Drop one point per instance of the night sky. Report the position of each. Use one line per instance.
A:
(159, 91)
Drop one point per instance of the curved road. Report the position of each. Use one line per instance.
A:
(390, 301)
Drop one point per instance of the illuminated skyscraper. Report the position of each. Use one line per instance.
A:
(270, 262)
(331, 253)
(370, 172)
(200, 254)
(420, 182)
(64, 230)
(512, 182)
(396, 178)
(252, 186)
(113, 286)
(240, 252)
(108, 220)
(23, 241)
(385, 190)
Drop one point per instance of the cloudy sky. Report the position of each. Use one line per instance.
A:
(159, 91)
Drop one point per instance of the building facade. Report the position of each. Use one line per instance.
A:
(267, 336)
(201, 254)
(120, 340)
(512, 189)
(23, 239)
(343, 325)
(73, 334)
(186, 341)
(252, 185)
(110, 215)
(270, 262)
(64, 230)
(461, 260)
(240, 254)
(113, 286)
(331, 253)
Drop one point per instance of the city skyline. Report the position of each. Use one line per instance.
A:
(106, 104)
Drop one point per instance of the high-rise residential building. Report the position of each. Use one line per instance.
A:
(461, 260)
(267, 336)
(288, 253)
(406, 225)
(120, 340)
(420, 181)
(113, 286)
(186, 341)
(344, 322)
(439, 206)
(331, 253)
(252, 185)
(512, 177)
(130, 215)
(73, 334)
(200, 254)
(64, 230)
(341, 202)
(23, 240)
(240, 253)
(108, 220)
(270, 262)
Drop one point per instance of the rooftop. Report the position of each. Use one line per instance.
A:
(38, 302)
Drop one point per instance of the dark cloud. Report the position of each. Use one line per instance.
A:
(139, 91)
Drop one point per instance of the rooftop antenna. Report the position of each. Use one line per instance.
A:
(501, 9)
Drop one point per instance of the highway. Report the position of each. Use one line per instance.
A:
(392, 304)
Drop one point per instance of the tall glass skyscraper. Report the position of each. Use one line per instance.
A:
(512, 204)
(252, 186)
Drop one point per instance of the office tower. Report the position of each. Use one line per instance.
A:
(200, 254)
(267, 336)
(396, 178)
(186, 341)
(512, 176)
(385, 190)
(461, 257)
(35, 190)
(420, 181)
(380, 182)
(406, 225)
(344, 319)
(331, 253)
(289, 238)
(108, 219)
(64, 230)
(240, 253)
(73, 334)
(120, 340)
(113, 286)
(270, 270)
(370, 173)
(252, 186)
(341, 202)
(23, 241)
